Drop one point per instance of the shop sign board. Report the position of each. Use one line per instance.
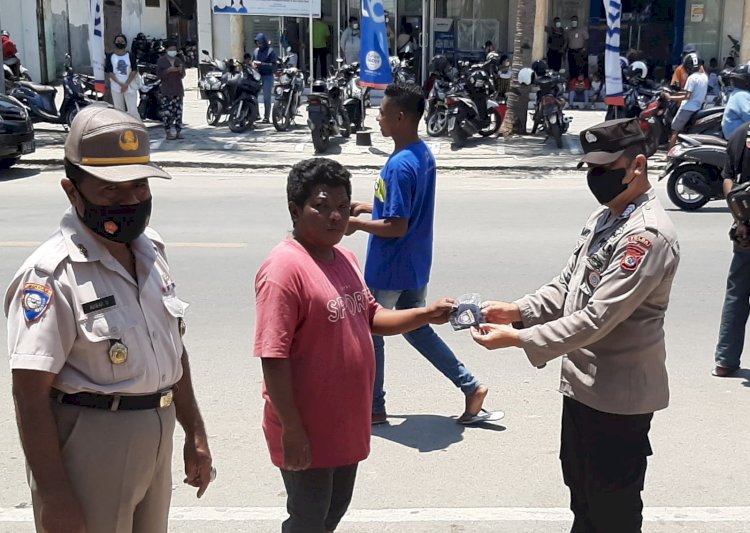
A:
(272, 8)
(445, 36)
(697, 12)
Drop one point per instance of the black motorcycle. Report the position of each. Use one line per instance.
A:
(288, 95)
(326, 114)
(244, 110)
(694, 171)
(40, 99)
(355, 96)
(548, 112)
(436, 117)
(471, 110)
(149, 106)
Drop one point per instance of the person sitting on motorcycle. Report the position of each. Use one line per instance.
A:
(9, 54)
(680, 76)
(265, 61)
(597, 87)
(692, 97)
(737, 111)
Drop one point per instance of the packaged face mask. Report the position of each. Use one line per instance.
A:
(467, 313)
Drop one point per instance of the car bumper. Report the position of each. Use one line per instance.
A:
(16, 144)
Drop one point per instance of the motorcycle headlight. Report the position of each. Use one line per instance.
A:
(285, 79)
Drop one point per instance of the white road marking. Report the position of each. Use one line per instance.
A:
(467, 514)
(35, 244)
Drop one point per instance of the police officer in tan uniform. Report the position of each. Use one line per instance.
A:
(604, 314)
(95, 325)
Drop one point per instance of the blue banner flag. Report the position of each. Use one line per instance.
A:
(375, 69)
(612, 67)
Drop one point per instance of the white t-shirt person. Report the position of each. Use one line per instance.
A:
(121, 68)
(697, 86)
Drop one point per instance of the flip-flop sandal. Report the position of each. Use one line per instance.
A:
(482, 416)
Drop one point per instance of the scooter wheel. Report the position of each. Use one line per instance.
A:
(213, 113)
(320, 140)
(70, 115)
(437, 123)
(280, 121)
(679, 191)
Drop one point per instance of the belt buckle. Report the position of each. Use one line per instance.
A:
(166, 399)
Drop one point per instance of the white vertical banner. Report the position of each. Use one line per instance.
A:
(612, 68)
(96, 42)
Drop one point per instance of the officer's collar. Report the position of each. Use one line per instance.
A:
(83, 246)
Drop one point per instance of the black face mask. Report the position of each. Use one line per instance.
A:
(120, 46)
(606, 185)
(117, 223)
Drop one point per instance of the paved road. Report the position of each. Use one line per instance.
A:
(497, 237)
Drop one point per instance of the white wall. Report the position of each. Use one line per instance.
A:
(154, 19)
(19, 18)
(205, 28)
(222, 36)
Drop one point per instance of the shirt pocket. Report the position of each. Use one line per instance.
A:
(101, 332)
(175, 314)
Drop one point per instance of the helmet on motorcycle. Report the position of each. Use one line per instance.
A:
(740, 77)
(526, 76)
(690, 63)
(494, 57)
(539, 67)
(319, 86)
(638, 70)
(438, 65)
(624, 63)
(395, 62)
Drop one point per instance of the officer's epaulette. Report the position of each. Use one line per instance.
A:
(50, 254)
(155, 238)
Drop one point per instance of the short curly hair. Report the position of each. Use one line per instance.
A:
(407, 97)
(307, 174)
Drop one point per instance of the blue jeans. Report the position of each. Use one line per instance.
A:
(735, 313)
(267, 93)
(424, 339)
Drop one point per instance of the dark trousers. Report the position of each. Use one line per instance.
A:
(554, 59)
(735, 313)
(320, 56)
(576, 62)
(318, 498)
(604, 464)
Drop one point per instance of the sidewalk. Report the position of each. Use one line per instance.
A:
(266, 148)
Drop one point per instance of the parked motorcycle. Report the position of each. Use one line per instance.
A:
(326, 114)
(17, 70)
(40, 99)
(219, 87)
(288, 94)
(694, 171)
(244, 110)
(355, 96)
(471, 110)
(150, 97)
(548, 112)
(402, 68)
(437, 109)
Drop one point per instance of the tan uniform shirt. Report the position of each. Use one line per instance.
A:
(94, 303)
(577, 37)
(605, 312)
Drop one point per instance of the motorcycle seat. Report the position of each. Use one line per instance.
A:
(41, 89)
(706, 112)
(711, 140)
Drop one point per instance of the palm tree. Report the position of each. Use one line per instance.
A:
(518, 95)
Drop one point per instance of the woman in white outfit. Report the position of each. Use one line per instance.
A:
(121, 69)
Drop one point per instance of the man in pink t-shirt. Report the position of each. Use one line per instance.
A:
(314, 321)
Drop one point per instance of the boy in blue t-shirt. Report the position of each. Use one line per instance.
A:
(399, 254)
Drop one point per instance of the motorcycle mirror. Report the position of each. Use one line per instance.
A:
(205, 53)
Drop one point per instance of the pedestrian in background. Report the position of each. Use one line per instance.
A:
(321, 47)
(171, 70)
(314, 320)
(122, 72)
(604, 314)
(100, 372)
(265, 60)
(736, 307)
(399, 254)
(576, 42)
(556, 44)
(351, 42)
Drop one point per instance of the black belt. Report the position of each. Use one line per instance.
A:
(115, 402)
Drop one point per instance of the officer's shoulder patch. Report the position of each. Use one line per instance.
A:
(35, 300)
(639, 239)
(634, 254)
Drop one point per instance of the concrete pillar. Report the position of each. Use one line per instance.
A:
(539, 50)
(745, 44)
(237, 42)
(205, 25)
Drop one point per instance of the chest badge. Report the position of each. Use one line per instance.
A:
(118, 353)
(594, 279)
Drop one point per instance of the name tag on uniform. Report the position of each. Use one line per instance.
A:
(98, 305)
